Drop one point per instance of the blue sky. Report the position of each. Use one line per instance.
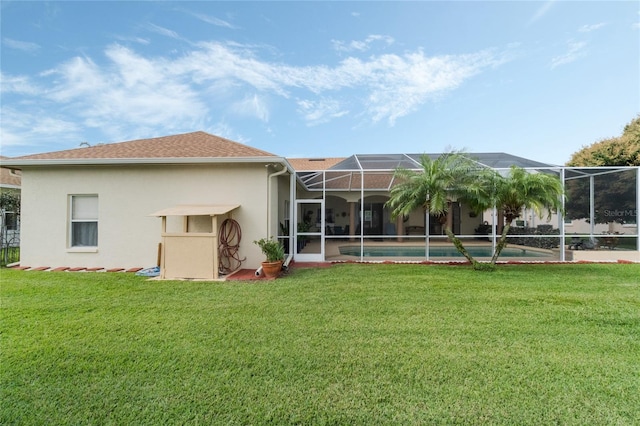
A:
(322, 79)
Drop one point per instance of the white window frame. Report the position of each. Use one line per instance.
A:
(92, 219)
(11, 221)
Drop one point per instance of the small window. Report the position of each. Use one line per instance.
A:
(11, 221)
(84, 221)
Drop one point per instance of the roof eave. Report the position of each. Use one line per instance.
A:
(18, 164)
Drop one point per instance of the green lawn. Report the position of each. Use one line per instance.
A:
(351, 344)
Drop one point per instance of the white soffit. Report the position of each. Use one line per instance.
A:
(196, 210)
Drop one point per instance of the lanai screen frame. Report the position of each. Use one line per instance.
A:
(362, 165)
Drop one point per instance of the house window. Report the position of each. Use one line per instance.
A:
(11, 221)
(84, 221)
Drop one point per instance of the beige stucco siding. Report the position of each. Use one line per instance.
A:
(127, 195)
(283, 194)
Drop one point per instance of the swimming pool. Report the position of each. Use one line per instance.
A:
(419, 251)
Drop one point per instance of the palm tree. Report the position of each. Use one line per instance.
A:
(512, 193)
(456, 176)
(448, 177)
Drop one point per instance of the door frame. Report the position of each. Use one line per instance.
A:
(309, 257)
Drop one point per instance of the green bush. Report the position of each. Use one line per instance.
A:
(272, 249)
(539, 242)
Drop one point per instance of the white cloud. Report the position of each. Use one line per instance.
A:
(393, 84)
(214, 21)
(220, 64)
(252, 106)
(80, 77)
(361, 45)
(134, 70)
(17, 84)
(20, 128)
(320, 111)
(593, 27)
(131, 94)
(575, 51)
(162, 31)
(224, 129)
(138, 40)
(132, 91)
(53, 126)
(25, 46)
(397, 85)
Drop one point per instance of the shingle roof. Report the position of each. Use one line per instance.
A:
(186, 145)
(9, 178)
(300, 164)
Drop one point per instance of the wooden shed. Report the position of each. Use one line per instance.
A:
(192, 253)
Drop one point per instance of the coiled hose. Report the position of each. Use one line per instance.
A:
(230, 235)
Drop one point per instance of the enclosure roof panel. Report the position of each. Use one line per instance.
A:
(350, 163)
(376, 162)
(499, 160)
(494, 160)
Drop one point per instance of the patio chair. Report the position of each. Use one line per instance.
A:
(576, 244)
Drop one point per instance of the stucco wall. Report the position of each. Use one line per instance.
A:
(127, 235)
(604, 255)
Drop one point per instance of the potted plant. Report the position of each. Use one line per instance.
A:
(274, 253)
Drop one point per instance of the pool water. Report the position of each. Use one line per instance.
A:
(419, 251)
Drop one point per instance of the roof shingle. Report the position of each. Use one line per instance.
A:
(9, 178)
(300, 164)
(187, 145)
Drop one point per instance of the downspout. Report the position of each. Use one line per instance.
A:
(272, 175)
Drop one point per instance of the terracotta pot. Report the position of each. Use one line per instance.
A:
(271, 270)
